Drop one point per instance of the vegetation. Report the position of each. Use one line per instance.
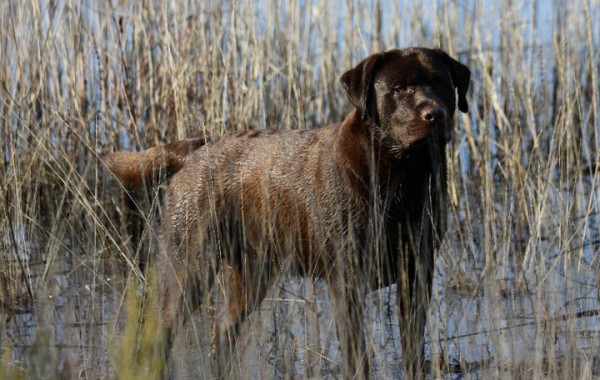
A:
(516, 292)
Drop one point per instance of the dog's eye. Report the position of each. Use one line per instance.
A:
(403, 89)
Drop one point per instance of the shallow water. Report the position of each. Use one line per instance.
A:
(482, 322)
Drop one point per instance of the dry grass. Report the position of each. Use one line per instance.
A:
(516, 294)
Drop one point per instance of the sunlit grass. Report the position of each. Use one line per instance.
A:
(139, 353)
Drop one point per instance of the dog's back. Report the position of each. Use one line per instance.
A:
(290, 191)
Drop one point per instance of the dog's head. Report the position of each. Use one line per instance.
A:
(408, 94)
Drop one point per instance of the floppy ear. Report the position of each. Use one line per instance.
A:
(357, 82)
(461, 75)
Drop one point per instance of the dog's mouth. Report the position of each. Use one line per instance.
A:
(419, 133)
(438, 131)
(416, 137)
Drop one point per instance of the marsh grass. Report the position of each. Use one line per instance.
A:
(140, 354)
(516, 292)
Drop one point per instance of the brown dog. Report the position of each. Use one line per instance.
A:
(361, 204)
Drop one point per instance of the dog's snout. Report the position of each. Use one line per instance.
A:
(432, 113)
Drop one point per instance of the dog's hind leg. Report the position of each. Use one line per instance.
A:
(245, 284)
(186, 275)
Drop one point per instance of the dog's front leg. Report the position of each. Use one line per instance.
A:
(413, 318)
(414, 290)
(348, 298)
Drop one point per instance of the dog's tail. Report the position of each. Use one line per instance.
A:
(136, 169)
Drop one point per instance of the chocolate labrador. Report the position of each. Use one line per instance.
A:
(361, 204)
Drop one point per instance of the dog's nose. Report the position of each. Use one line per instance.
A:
(431, 113)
